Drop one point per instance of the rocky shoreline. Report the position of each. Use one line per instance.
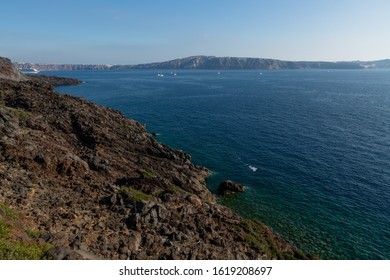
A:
(96, 185)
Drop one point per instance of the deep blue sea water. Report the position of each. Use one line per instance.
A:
(312, 146)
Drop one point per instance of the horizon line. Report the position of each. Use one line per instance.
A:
(193, 56)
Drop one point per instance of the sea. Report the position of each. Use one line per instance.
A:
(312, 147)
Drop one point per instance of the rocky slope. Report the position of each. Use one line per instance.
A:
(98, 186)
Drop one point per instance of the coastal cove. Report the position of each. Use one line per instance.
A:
(311, 146)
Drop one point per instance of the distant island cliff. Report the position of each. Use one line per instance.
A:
(81, 181)
(220, 63)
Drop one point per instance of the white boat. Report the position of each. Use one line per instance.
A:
(29, 71)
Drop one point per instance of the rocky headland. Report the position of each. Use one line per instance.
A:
(53, 80)
(92, 184)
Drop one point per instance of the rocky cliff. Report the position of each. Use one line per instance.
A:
(96, 185)
(240, 63)
(212, 62)
(220, 63)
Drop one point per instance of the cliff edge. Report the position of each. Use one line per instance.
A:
(8, 71)
(96, 185)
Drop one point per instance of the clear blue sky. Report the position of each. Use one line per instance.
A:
(137, 31)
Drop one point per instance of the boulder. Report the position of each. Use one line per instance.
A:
(229, 188)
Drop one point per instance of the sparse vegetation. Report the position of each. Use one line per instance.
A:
(135, 195)
(148, 174)
(33, 233)
(17, 250)
(22, 114)
(17, 243)
(259, 236)
(175, 189)
(7, 212)
(125, 127)
(4, 230)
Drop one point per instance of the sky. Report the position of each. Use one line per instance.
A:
(142, 31)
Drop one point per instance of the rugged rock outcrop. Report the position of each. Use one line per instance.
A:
(229, 188)
(98, 186)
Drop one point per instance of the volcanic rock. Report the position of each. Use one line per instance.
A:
(229, 188)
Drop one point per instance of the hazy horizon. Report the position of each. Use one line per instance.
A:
(134, 32)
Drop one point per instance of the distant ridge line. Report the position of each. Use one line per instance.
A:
(216, 63)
